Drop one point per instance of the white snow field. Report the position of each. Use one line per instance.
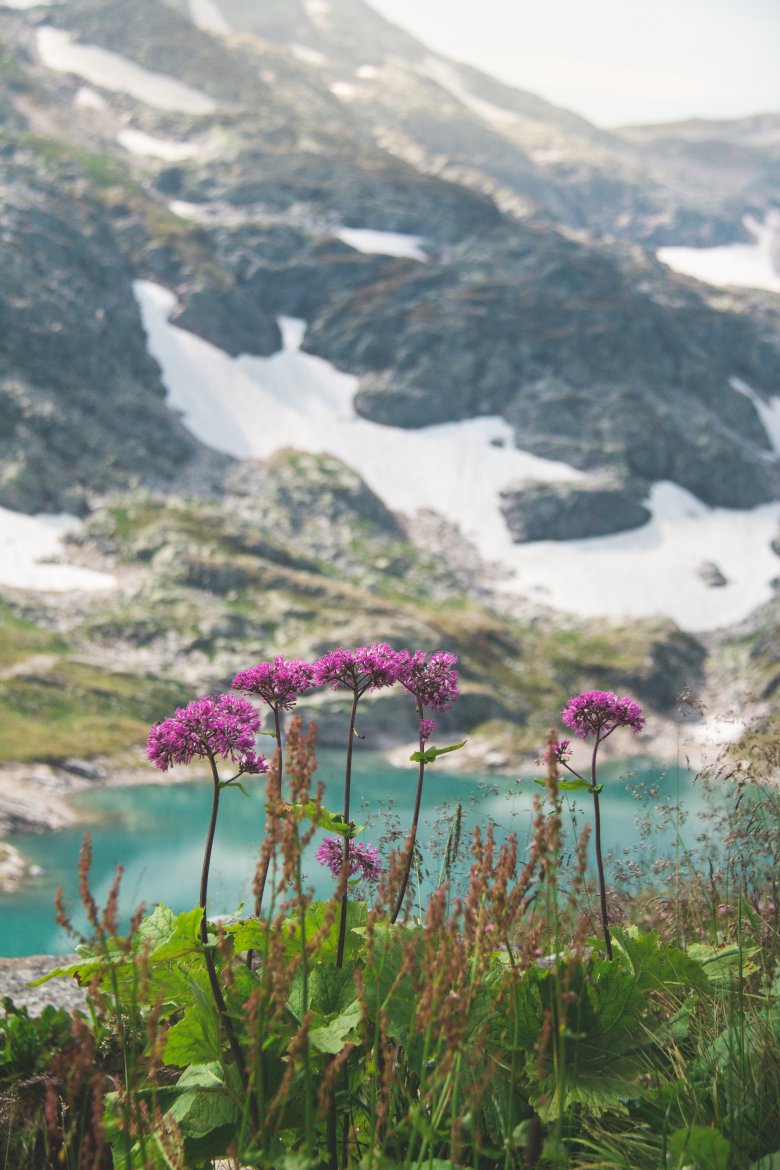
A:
(137, 142)
(383, 243)
(29, 548)
(111, 71)
(740, 265)
(251, 407)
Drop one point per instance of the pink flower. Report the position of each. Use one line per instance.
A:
(279, 682)
(427, 728)
(559, 751)
(367, 668)
(600, 712)
(363, 858)
(432, 679)
(222, 725)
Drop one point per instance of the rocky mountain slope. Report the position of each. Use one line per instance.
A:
(450, 252)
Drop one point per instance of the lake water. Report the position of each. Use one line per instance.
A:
(157, 833)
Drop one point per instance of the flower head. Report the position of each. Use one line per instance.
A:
(367, 668)
(363, 858)
(427, 728)
(600, 712)
(432, 679)
(221, 725)
(279, 682)
(558, 751)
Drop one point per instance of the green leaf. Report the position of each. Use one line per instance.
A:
(700, 1148)
(723, 964)
(156, 927)
(194, 1039)
(578, 785)
(331, 822)
(433, 753)
(655, 964)
(182, 939)
(205, 1105)
(332, 1037)
(330, 990)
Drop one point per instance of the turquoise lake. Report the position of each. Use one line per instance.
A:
(157, 833)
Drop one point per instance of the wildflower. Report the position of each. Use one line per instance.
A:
(363, 858)
(279, 682)
(600, 712)
(367, 668)
(427, 728)
(222, 725)
(432, 679)
(559, 751)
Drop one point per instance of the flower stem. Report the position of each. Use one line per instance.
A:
(411, 839)
(597, 842)
(345, 863)
(216, 990)
(277, 796)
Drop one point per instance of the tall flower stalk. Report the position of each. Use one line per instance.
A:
(357, 671)
(597, 714)
(211, 728)
(433, 682)
(278, 684)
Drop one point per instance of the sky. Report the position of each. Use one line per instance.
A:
(614, 61)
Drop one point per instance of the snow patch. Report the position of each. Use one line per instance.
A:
(206, 15)
(367, 72)
(137, 142)
(739, 265)
(251, 407)
(89, 99)
(308, 55)
(383, 243)
(29, 548)
(111, 71)
(316, 8)
(655, 569)
(768, 410)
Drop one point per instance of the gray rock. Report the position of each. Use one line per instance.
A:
(568, 511)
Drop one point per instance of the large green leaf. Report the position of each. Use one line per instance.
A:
(657, 966)
(581, 1029)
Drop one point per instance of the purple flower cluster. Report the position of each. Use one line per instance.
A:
(432, 679)
(367, 668)
(559, 751)
(363, 858)
(221, 725)
(279, 682)
(600, 712)
(427, 728)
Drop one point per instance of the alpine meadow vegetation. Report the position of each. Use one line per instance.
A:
(525, 1016)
